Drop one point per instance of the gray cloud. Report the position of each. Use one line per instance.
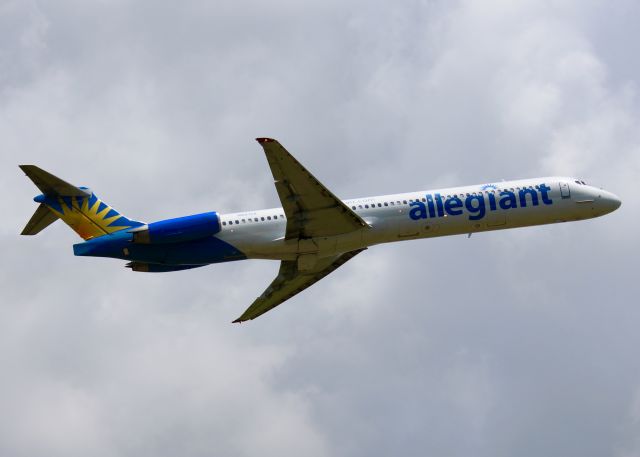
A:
(515, 343)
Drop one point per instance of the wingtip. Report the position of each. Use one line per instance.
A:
(242, 319)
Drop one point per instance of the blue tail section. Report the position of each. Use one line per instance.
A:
(78, 207)
(88, 216)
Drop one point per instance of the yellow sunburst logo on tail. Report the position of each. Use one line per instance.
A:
(89, 217)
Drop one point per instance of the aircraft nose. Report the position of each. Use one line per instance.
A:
(609, 201)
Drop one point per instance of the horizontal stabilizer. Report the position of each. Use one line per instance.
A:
(52, 185)
(40, 220)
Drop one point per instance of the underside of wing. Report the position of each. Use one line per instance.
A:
(312, 209)
(291, 281)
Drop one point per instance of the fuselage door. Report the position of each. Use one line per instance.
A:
(564, 190)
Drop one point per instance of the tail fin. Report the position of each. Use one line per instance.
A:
(78, 207)
(40, 220)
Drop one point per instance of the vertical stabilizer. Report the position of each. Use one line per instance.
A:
(78, 207)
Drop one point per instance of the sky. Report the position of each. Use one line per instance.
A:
(520, 342)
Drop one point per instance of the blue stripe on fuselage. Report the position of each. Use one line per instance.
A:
(119, 245)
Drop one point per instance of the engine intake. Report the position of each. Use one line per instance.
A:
(178, 230)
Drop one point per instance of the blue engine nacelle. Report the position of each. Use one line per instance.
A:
(178, 230)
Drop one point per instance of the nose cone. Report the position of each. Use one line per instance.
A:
(608, 202)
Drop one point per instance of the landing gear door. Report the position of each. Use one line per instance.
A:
(564, 190)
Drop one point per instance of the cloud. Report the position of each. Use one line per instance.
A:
(517, 342)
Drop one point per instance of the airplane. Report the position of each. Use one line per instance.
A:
(314, 232)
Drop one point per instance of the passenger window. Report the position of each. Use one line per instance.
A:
(404, 201)
(262, 218)
(353, 208)
(386, 204)
(237, 221)
(224, 223)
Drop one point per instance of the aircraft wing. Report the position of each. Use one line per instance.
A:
(291, 281)
(312, 209)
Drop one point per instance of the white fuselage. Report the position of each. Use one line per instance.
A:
(260, 234)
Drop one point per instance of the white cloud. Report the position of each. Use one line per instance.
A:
(518, 342)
